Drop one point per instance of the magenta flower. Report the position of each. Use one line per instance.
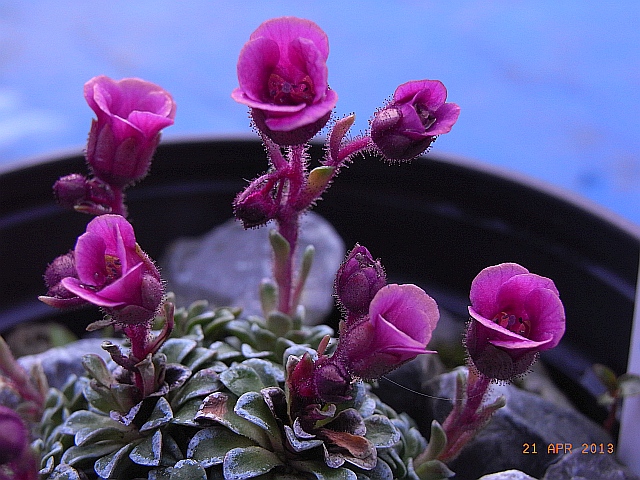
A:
(398, 327)
(282, 74)
(14, 436)
(131, 112)
(409, 124)
(514, 315)
(114, 273)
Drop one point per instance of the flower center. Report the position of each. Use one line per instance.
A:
(113, 267)
(427, 118)
(515, 324)
(287, 93)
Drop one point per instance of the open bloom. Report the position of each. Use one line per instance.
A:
(514, 315)
(408, 125)
(397, 328)
(114, 273)
(282, 74)
(130, 114)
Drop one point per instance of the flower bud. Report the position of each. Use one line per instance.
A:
(332, 380)
(409, 124)
(358, 280)
(57, 295)
(254, 207)
(130, 114)
(71, 190)
(85, 195)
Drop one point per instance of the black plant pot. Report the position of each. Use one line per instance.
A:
(435, 222)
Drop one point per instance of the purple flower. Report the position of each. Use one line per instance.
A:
(398, 327)
(514, 315)
(131, 112)
(114, 273)
(14, 436)
(358, 280)
(408, 125)
(282, 74)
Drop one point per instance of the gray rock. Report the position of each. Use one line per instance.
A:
(507, 475)
(226, 265)
(588, 466)
(60, 362)
(523, 435)
(529, 433)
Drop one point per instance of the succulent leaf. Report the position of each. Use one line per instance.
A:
(209, 445)
(148, 451)
(219, 407)
(161, 415)
(252, 407)
(249, 462)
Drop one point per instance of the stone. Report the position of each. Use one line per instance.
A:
(226, 266)
(507, 475)
(582, 464)
(60, 362)
(529, 434)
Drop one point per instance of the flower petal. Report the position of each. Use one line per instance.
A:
(258, 58)
(89, 255)
(545, 305)
(408, 308)
(485, 286)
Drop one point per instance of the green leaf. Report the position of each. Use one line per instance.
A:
(249, 462)
(161, 415)
(216, 327)
(318, 180)
(83, 420)
(199, 358)
(300, 445)
(606, 376)
(268, 296)
(252, 407)
(115, 464)
(187, 413)
(437, 441)
(219, 407)
(322, 472)
(224, 351)
(270, 374)
(148, 451)
(209, 445)
(78, 455)
(188, 470)
(241, 378)
(196, 308)
(97, 369)
(280, 248)
(65, 472)
(338, 132)
(201, 384)
(381, 432)
(433, 470)
(177, 348)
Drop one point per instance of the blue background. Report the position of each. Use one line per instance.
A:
(547, 88)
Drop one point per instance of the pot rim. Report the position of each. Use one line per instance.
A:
(581, 202)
